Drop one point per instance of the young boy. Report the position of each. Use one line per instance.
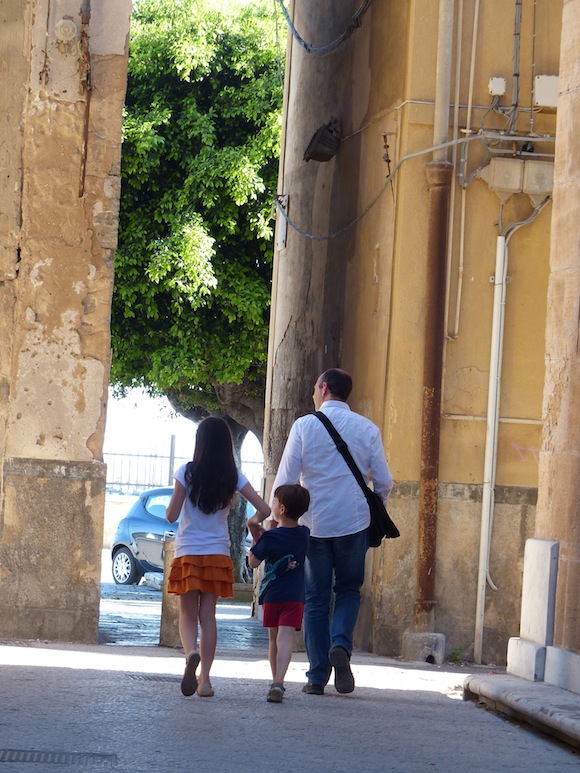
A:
(282, 588)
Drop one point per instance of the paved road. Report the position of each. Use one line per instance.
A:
(119, 707)
(122, 701)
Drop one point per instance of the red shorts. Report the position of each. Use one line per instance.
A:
(288, 613)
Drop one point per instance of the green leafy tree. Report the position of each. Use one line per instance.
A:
(199, 168)
(201, 139)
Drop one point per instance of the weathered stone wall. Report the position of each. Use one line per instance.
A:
(388, 602)
(60, 113)
(559, 491)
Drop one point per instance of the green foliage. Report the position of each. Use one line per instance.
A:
(199, 168)
(456, 656)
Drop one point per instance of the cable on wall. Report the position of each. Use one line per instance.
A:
(355, 23)
(279, 199)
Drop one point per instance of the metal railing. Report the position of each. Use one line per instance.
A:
(133, 473)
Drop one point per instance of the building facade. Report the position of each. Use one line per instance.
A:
(413, 249)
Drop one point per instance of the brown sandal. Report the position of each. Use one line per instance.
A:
(189, 681)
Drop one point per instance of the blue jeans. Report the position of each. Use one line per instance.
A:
(340, 560)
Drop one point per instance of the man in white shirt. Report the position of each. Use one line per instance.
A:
(338, 519)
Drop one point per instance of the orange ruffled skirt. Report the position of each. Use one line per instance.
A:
(208, 574)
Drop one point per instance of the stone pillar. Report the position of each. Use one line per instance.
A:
(61, 108)
(559, 471)
(169, 628)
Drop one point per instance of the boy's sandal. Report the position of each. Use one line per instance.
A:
(276, 693)
(205, 690)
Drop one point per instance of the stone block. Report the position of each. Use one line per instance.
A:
(51, 538)
(563, 669)
(244, 591)
(526, 659)
(539, 591)
(424, 647)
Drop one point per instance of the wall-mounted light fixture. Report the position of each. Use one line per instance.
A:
(324, 143)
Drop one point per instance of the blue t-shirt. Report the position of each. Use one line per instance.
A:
(283, 551)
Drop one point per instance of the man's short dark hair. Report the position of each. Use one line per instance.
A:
(295, 498)
(338, 381)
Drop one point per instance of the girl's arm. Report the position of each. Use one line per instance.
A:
(262, 510)
(176, 502)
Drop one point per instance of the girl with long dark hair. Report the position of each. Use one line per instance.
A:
(202, 568)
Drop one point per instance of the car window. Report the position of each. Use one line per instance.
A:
(157, 505)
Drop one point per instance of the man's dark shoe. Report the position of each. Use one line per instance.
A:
(340, 661)
(313, 689)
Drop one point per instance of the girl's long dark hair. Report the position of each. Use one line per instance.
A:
(212, 477)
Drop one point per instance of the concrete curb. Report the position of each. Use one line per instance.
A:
(551, 709)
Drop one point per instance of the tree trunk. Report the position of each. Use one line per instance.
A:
(241, 403)
(237, 516)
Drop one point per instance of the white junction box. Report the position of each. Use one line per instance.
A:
(497, 86)
(546, 91)
(538, 178)
(505, 174)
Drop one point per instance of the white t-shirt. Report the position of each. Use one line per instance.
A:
(338, 506)
(200, 534)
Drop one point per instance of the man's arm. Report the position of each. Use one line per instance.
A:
(380, 473)
(290, 465)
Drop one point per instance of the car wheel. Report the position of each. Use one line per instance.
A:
(125, 570)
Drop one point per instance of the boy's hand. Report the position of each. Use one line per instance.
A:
(256, 530)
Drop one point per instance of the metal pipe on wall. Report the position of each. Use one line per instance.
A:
(439, 175)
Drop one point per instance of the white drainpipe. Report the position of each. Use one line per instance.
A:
(495, 358)
(443, 78)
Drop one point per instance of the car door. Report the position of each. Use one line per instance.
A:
(150, 541)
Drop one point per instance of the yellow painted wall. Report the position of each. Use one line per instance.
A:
(386, 291)
(391, 64)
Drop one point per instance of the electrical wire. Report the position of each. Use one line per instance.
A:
(279, 204)
(278, 48)
(355, 23)
(513, 227)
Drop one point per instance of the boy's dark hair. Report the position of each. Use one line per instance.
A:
(295, 499)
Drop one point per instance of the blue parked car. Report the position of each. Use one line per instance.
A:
(138, 542)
